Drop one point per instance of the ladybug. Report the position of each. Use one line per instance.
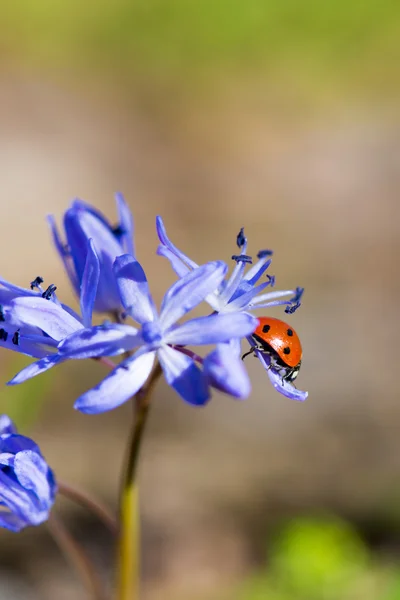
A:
(277, 339)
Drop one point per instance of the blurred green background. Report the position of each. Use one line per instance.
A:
(282, 117)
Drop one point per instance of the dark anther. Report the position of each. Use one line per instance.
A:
(2, 315)
(271, 280)
(36, 282)
(286, 350)
(264, 253)
(16, 338)
(242, 258)
(289, 310)
(297, 296)
(47, 294)
(3, 335)
(266, 328)
(290, 332)
(241, 238)
(118, 231)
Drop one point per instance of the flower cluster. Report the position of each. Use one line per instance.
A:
(101, 264)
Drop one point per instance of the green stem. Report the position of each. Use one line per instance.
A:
(129, 543)
(75, 554)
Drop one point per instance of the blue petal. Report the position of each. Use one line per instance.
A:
(31, 471)
(184, 376)
(226, 372)
(102, 340)
(82, 223)
(12, 522)
(48, 316)
(189, 291)
(162, 236)
(64, 255)
(36, 368)
(89, 284)
(284, 387)
(212, 329)
(178, 266)
(134, 289)
(6, 425)
(16, 290)
(17, 443)
(35, 349)
(120, 385)
(125, 223)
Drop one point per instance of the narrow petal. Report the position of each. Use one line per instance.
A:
(64, 254)
(36, 368)
(284, 387)
(12, 522)
(134, 289)
(90, 281)
(180, 268)
(104, 340)
(120, 385)
(226, 372)
(212, 330)
(47, 316)
(164, 239)
(125, 224)
(35, 349)
(189, 291)
(184, 376)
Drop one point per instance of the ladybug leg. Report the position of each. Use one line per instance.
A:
(251, 351)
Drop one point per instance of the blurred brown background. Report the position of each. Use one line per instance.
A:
(280, 117)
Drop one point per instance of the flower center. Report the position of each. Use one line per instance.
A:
(151, 333)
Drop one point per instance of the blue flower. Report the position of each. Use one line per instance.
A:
(242, 292)
(81, 223)
(159, 337)
(27, 484)
(42, 322)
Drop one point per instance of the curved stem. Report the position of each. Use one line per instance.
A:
(128, 543)
(75, 554)
(93, 504)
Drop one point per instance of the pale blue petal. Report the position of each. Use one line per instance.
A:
(212, 330)
(189, 291)
(125, 223)
(90, 281)
(177, 264)
(103, 340)
(46, 315)
(36, 368)
(164, 239)
(134, 289)
(283, 387)
(226, 372)
(120, 385)
(184, 376)
(31, 471)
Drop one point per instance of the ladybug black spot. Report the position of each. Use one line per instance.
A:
(286, 350)
(266, 328)
(290, 332)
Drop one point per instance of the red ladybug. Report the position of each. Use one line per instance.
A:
(281, 342)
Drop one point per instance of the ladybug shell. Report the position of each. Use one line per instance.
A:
(278, 335)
